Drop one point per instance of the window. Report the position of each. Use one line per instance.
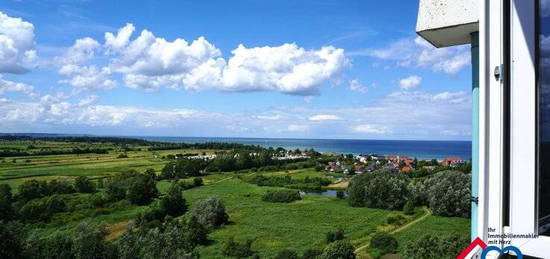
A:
(543, 77)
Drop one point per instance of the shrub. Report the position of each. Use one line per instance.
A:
(122, 155)
(173, 202)
(12, 242)
(380, 189)
(286, 254)
(418, 193)
(87, 241)
(408, 209)
(138, 188)
(156, 242)
(168, 171)
(83, 185)
(338, 250)
(42, 209)
(211, 212)
(188, 167)
(6, 199)
(142, 190)
(335, 235)
(396, 219)
(198, 181)
(195, 232)
(430, 246)
(340, 195)
(311, 253)
(235, 249)
(284, 196)
(385, 242)
(449, 194)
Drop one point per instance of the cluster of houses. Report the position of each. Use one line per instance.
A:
(396, 163)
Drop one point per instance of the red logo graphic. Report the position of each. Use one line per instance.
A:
(477, 242)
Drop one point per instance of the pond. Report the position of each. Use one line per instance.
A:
(328, 193)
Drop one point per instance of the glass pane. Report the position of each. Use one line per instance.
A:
(544, 116)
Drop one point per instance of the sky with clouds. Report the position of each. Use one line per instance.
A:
(243, 68)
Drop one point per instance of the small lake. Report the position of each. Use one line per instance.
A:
(328, 193)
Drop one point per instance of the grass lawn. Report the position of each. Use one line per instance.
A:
(433, 225)
(275, 226)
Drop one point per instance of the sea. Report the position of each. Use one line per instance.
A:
(420, 149)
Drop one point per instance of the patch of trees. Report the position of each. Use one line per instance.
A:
(12, 153)
(379, 189)
(172, 240)
(183, 168)
(138, 188)
(430, 246)
(282, 196)
(229, 162)
(34, 189)
(446, 193)
(156, 146)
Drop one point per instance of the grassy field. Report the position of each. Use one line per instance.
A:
(15, 170)
(272, 226)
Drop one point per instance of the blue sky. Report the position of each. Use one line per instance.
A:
(301, 69)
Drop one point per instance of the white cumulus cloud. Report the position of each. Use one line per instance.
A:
(410, 82)
(17, 46)
(149, 62)
(324, 117)
(371, 129)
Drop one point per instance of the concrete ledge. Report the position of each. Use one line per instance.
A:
(447, 22)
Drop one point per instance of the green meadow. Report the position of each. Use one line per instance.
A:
(298, 225)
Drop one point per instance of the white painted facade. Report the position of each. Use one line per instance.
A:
(449, 22)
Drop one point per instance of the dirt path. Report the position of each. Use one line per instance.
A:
(406, 226)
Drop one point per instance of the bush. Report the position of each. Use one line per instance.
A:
(198, 181)
(235, 249)
(173, 202)
(286, 254)
(311, 254)
(284, 196)
(6, 199)
(122, 155)
(211, 212)
(396, 219)
(408, 209)
(380, 189)
(12, 243)
(338, 250)
(158, 242)
(195, 232)
(335, 235)
(340, 195)
(85, 242)
(83, 185)
(431, 246)
(42, 209)
(449, 194)
(385, 242)
(138, 188)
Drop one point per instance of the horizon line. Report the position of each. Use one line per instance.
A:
(227, 137)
